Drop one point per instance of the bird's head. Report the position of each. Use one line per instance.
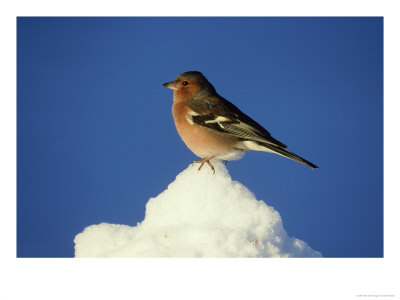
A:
(189, 85)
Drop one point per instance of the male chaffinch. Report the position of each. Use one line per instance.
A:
(212, 127)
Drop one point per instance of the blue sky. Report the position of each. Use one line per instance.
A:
(96, 137)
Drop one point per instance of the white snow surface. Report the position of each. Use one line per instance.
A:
(198, 215)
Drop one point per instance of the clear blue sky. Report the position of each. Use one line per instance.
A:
(96, 137)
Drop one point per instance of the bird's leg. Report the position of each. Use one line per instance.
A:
(205, 160)
(211, 166)
(226, 162)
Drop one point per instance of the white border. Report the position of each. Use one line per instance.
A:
(197, 278)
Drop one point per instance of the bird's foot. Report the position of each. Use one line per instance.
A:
(203, 161)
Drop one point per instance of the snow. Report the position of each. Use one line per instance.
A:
(198, 215)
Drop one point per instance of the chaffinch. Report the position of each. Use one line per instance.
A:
(212, 127)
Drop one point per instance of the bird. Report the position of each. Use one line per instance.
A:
(212, 127)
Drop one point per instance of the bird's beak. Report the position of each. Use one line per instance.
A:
(171, 85)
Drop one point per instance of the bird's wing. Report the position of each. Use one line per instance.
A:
(220, 115)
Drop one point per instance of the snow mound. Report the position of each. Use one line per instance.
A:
(198, 215)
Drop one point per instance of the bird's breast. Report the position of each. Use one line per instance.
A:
(200, 140)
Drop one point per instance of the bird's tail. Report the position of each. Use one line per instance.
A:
(288, 154)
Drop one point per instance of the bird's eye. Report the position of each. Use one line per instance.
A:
(185, 83)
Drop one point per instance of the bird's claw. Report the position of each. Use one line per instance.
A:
(205, 160)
